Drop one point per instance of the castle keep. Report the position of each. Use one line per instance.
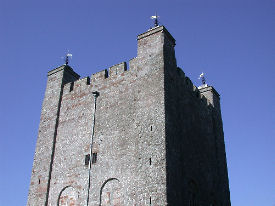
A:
(137, 136)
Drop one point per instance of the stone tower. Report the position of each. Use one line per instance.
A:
(130, 137)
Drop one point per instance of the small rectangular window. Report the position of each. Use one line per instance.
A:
(94, 157)
(87, 159)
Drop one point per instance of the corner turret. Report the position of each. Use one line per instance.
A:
(45, 146)
(211, 95)
(156, 46)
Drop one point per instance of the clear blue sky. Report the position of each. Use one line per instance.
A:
(232, 41)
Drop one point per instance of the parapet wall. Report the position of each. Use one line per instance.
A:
(119, 71)
(195, 92)
(112, 72)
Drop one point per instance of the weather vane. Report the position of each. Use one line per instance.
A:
(67, 58)
(202, 78)
(156, 17)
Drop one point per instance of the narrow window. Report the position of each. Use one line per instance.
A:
(150, 161)
(39, 181)
(151, 128)
(71, 86)
(87, 159)
(94, 157)
(150, 200)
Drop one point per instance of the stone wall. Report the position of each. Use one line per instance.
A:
(45, 146)
(195, 144)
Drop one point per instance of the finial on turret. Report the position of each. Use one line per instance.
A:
(202, 77)
(156, 17)
(67, 58)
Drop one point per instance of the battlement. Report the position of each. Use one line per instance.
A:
(112, 72)
(195, 91)
(151, 41)
(119, 71)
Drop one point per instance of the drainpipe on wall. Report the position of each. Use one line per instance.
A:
(95, 94)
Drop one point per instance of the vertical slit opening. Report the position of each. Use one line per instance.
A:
(94, 158)
(150, 161)
(87, 159)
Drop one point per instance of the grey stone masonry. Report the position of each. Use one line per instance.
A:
(45, 146)
(150, 137)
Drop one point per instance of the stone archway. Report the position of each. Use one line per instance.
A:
(110, 193)
(67, 197)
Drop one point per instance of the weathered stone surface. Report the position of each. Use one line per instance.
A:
(158, 139)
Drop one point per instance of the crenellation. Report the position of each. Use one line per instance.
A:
(114, 71)
(82, 82)
(77, 86)
(192, 88)
(117, 69)
(195, 91)
(99, 76)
